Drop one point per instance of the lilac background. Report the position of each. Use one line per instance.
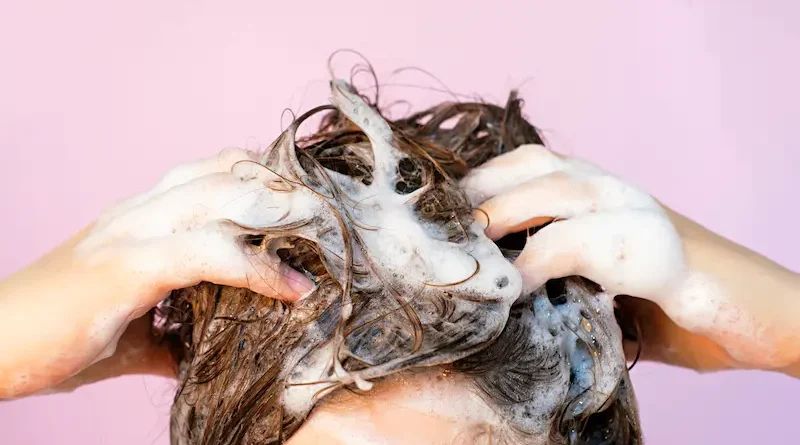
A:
(696, 100)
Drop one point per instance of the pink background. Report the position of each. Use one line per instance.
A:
(696, 100)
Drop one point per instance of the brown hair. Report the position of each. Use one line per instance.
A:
(236, 349)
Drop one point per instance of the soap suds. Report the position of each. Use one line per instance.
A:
(400, 246)
(406, 280)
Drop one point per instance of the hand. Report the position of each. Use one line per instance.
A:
(703, 301)
(71, 308)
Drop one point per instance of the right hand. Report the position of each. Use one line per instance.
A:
(699, 300)
(91, 297)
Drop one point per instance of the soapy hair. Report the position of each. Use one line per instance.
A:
(234, 348)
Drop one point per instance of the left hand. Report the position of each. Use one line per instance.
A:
(699, 300)
(82, 312)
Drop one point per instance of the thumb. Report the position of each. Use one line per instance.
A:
(216, 253)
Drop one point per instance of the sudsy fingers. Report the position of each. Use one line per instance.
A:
(562, 195)
(216, 253)
(217, 196)
(219, 163)
(223, 258)
(509, 170)
(555, 195)
(614, 249)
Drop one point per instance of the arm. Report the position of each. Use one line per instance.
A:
(703, 301)
(74, 306)
(761, 287)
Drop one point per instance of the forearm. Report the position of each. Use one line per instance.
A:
(755, 294)
(49, 323)
(794, 294)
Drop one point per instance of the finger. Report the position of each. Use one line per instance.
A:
(220, 163)
(241, 196)
(537, 201)
(562, 194)
(213, 197)
(506, 171)
(246, 196)
(182, 174)
(217, 254)
(630, 252)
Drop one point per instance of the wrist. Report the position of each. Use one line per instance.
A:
(750, 305)
(792, 370)
(126, 272)
(793, 297)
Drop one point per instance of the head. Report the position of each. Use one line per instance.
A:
(407, 286)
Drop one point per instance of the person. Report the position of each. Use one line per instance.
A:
(88, 294)
(76, 315)
(708, 303)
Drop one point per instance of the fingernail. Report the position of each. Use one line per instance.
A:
(480, 216)
(298, 282)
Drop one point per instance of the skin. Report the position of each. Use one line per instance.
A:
(749, 304)
(442, 408)
(702, 301)
(89, 295)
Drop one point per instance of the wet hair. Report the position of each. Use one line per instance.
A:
(251, 367)
(557, 368)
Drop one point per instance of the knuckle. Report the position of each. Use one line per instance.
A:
(230, 156)
(615, 193)
(537, 158)
(176, 176)
(653, 251)
(536, 151)
(580, 166)
(221, 163)
(562, 178)
(565, 184)
(186, 173)
(214, 182)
